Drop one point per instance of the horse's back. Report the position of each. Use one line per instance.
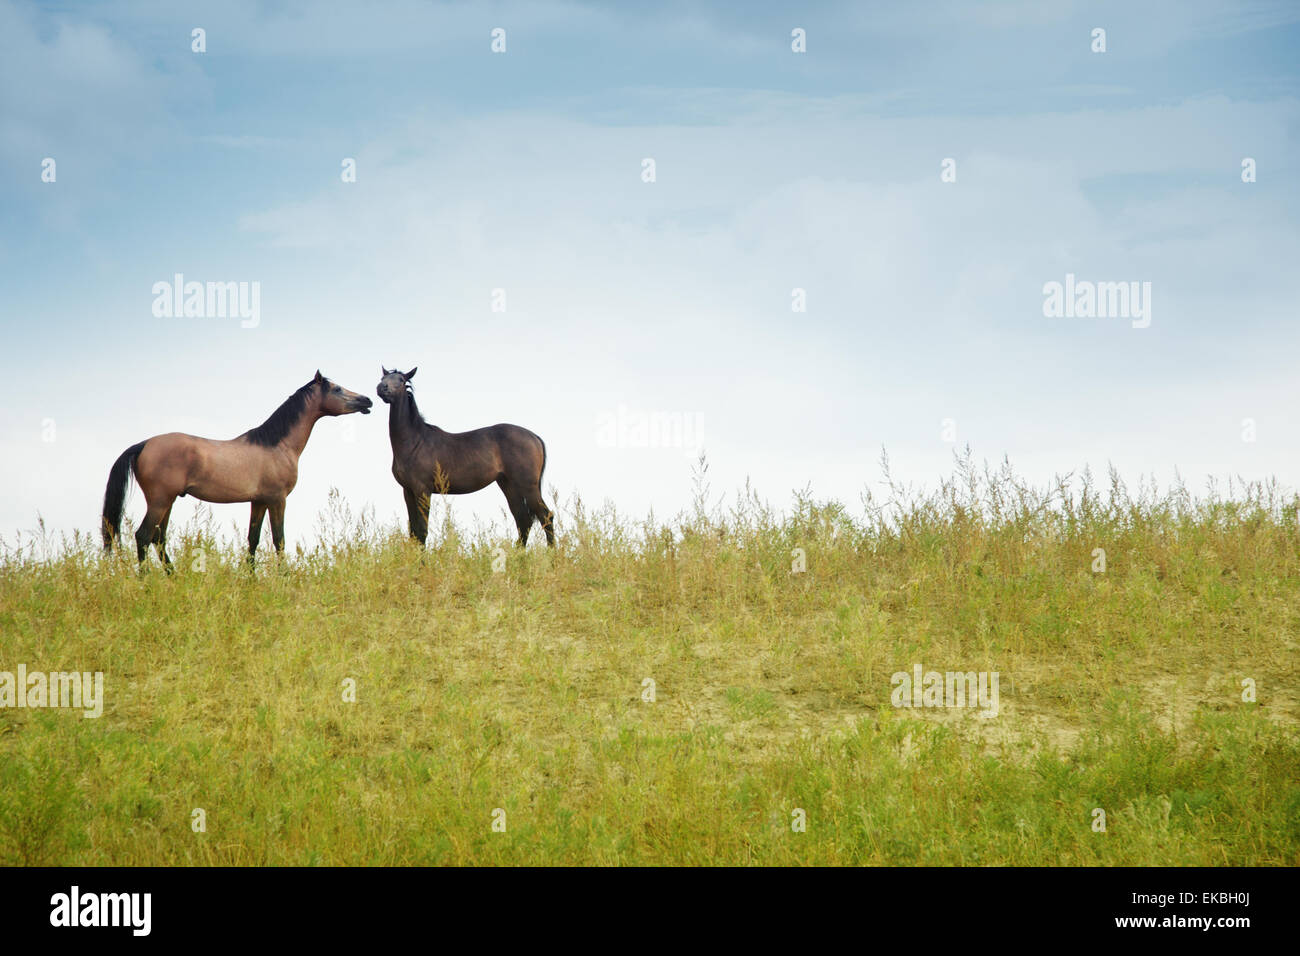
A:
(167, 447)
(515, 433)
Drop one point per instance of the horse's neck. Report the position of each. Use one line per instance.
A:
(405, 424)
(296, 439)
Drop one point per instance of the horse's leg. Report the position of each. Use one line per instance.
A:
(144, 535)
(544, 514)
(519, 508)
(277, 526)
(417, 511)
(160, 539)
(255, 529)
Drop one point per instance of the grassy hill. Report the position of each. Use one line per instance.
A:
(527, 689)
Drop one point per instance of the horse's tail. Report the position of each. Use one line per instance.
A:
(115, 493)
(545, 514)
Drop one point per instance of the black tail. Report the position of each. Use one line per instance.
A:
(115, 493)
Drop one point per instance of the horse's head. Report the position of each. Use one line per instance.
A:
(393, 384)
(337, 400)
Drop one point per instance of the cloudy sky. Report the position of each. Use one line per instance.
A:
(774, 171)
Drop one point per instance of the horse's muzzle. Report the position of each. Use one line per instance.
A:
(362, 404)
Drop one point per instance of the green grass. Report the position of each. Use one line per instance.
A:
(524, 690)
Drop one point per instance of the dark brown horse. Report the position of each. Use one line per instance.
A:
(428, 460)
(260, 466)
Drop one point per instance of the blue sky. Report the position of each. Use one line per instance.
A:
(774, 171)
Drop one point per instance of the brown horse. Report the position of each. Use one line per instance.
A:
(428, 460)
(260, 466)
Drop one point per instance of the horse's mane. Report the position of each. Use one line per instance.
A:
(411, 410)
(272, 431)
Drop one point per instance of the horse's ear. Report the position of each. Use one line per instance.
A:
(319, 378)
(411, 374)
(384, 370)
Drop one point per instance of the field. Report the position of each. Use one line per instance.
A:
(679, 693)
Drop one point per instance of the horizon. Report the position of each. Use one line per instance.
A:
(974, 487)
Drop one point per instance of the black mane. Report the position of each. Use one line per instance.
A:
(411, 411)
(272, 431)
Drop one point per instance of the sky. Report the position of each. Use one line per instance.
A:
(841, 250)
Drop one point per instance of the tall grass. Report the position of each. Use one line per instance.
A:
(525, 690)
